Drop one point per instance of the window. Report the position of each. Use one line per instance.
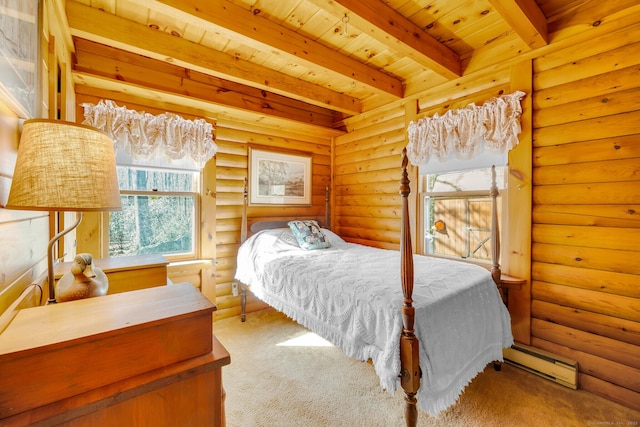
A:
(159, 213)
(456, 213)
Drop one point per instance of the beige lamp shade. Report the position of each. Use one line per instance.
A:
(64, 166)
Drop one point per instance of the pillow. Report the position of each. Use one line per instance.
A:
(308, 234)
(333, 238)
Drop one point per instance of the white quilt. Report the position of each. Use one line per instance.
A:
(351, 295)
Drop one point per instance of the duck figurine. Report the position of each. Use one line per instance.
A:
(83, 281)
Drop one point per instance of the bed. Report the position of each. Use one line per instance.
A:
(432, 335)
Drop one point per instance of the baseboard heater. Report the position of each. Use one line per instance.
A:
(557, 369)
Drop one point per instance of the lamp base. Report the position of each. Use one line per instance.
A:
(83, 281)
(52, 242)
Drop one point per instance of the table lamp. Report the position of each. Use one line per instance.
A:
(63, 166)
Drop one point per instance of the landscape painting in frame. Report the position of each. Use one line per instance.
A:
(279, 178)
(18, 55)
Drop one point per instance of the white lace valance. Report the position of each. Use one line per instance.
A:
(465, 133)
(145, 137)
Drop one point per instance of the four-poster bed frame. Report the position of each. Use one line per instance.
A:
(410, 373)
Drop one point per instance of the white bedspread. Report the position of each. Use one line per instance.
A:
(351, 295)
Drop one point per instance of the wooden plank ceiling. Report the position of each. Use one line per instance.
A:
(311, 62)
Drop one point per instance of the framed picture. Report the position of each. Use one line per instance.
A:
(19, 35)
(279, 178)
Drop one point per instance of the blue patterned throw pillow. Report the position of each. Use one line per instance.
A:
(308, 234)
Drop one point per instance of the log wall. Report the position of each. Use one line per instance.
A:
(366, 201)
(233, 141)
(586, 213)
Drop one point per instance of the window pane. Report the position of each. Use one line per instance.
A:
(154, 179)
(457, 223)
(152, 224)
(471, 180)
(459, 227)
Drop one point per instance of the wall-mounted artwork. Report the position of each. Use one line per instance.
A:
(279, 178)
(19, 55)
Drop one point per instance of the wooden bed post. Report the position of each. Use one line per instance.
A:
(495, 233)
(326, 208)
(409, 355)
(243, 237)
(496, 273)
(243, 226)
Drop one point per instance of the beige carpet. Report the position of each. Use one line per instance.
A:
(283, 375)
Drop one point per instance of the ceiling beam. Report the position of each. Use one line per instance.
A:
(378, 20)
(119, 91)
(526, 19)
(108, 62)
(270, 35)
(96, 25)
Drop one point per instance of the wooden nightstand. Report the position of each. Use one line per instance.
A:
(507, 283)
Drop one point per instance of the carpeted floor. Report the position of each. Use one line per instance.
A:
(283, 375)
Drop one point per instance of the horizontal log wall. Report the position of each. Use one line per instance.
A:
(586, 214)
(25, 234)
(233, 140)
(367, 175)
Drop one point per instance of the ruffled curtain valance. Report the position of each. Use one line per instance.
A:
(465, 133)
(145, 137)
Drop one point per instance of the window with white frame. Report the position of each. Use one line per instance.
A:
(454, 153)
(159, 160)
(159, 213)
(456, 211)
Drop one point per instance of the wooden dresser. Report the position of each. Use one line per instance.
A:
(145, 358)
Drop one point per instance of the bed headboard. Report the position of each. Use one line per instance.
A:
(267, 225)
(263, 225)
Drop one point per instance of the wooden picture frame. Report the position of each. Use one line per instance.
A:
(279, 178)
(19, 44)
